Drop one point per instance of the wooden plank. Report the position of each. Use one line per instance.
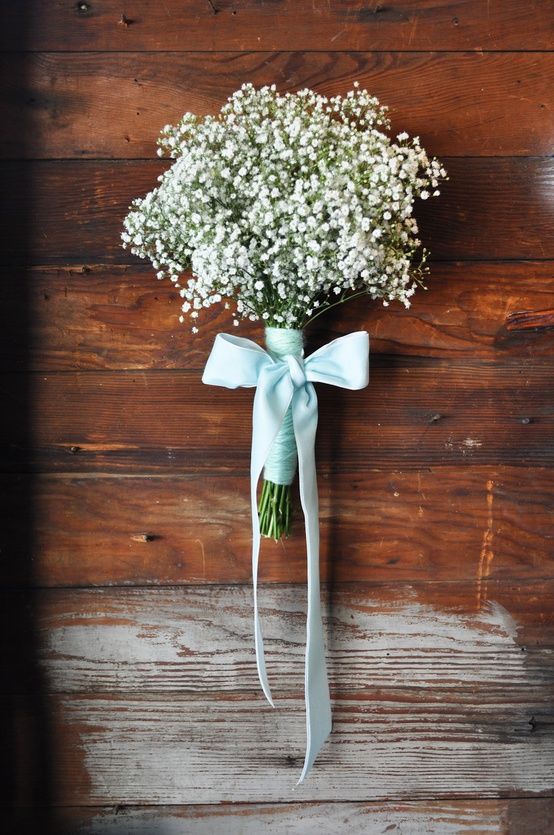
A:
(534, 816)
(415, 413)
(405, 744)
(467, 523)
(74, 104)
(279, 24)
(200, 640)
(71, 211)
(122, 317)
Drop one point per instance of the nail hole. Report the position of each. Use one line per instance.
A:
(143, 537)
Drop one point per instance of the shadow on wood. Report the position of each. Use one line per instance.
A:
(25, 761)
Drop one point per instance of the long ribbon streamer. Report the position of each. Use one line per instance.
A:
(282, 382)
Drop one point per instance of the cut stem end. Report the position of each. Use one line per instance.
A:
(275, 510)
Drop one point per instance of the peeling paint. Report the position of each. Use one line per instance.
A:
(446, 687)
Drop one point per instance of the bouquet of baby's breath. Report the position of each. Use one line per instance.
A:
(283, 206)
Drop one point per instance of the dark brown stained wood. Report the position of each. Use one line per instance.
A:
(415, 413)
(200, 640)
(530, 320)
(398, 744)
(465, 523)
(282, 24)
(122, 317)
(534, 816)
(50, 97)
(492, 208)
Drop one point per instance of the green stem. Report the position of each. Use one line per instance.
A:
(274, 510)
(335, 304)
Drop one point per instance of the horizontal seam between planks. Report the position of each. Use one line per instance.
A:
(468, 51)
(133, 160)
(381, 360)
(142, 267)
(340, 694)
(231, 804)
(367, 585)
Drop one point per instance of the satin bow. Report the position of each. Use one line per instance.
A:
(288, 381)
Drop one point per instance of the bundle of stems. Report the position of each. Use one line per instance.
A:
(275, 510)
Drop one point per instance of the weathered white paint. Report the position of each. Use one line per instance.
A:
(405, 744)
(200, 639)
(454, 818)
(162, 704)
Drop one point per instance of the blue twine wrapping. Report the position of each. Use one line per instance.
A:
(282, 460)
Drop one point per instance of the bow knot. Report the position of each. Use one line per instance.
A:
(343, 362)
(297, 371)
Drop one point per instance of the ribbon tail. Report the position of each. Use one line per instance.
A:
(317, 697)
(258, 636)
(267, 418)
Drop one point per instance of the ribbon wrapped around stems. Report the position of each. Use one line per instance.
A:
(283, 382)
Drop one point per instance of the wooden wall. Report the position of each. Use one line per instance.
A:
(130, 699)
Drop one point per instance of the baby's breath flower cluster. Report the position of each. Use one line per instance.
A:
(286, 205)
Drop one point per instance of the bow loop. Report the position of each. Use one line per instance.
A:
(235, 362)
(344, 362)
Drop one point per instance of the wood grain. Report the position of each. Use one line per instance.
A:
(165, 680)
(281, 24)
(416, 412)
(391, 526)
(491, 208)
(389, 745)
(115, 104)
(200, 640)
(530, 320)
(122, 318)
(534, 816)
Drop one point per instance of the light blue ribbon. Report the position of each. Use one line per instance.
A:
(282, 382)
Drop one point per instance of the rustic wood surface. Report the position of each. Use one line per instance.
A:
(282, 24)
(112, 105)
(130, 697)
(171, 748)
(416, 412)
(455, 817)
(477, 694)
(198, 639)
(491, 208)
(109, 318)
(468, 523)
